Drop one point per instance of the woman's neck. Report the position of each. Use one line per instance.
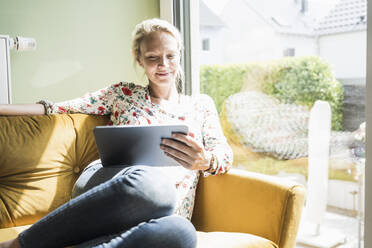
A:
(161, 93)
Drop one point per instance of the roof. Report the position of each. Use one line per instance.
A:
(208, 17)
(287, 18)
(347, 15)
(284, 16)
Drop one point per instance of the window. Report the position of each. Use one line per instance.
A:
(205, 44)
(264, 43)
(289, 52)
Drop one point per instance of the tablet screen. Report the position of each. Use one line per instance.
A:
(135, 145)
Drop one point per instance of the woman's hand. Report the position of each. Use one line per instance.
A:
(186, 151)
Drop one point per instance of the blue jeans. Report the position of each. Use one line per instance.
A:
(115, 207)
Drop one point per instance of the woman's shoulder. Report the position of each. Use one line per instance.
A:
(129, 85)
(201, 102)
(203, 99)
(128, 88)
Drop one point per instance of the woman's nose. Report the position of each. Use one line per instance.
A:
(163, 61)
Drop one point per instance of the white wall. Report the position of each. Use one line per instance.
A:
(79, 49)
(305, 46)
(214, 55)
(346, 53)
(249, 38)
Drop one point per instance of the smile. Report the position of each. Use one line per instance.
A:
(162, 74)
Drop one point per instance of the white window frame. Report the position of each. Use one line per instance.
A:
(368, 168)
(186, 19)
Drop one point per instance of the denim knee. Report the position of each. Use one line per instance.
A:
(169, 231)
(153, 189)
(183, 233)
(148, 185)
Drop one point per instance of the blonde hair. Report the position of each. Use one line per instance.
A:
(145, 28)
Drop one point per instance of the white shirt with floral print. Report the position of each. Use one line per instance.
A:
(130, 104)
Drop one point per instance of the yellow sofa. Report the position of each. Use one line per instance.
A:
(42, 156)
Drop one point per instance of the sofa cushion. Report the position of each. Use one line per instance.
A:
(37, 173)
(205, 239)
(11, 232)
(44, 157)
(232, 240)
(85, 144)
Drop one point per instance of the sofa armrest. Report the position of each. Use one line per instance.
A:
(247, 202)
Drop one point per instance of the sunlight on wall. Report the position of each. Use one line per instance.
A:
(81, 45)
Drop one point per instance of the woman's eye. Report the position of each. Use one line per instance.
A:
(171, 56)
(152, 58)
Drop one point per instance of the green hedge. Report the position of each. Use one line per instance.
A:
(221, 81)
(300, 80)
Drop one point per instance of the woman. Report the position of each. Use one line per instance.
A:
(138, 206)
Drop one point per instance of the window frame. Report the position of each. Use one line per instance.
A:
(186, 15)
(186, 19)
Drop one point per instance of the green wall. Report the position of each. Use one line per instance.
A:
(82, 45)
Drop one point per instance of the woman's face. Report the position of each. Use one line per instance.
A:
(160, 57)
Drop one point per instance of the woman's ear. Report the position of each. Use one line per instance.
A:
(139, 61)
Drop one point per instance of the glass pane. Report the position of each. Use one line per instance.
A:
(278, 69)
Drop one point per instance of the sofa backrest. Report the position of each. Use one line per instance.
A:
(40, 159)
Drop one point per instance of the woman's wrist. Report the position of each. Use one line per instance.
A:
(46, 105)
(212, 164)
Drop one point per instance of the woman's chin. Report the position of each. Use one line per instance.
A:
(164, 80)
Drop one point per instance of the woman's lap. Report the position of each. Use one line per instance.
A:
(111, 200)
(95, 174)
(170, 231)
(161, 230)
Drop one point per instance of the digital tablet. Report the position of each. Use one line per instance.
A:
(135, 145)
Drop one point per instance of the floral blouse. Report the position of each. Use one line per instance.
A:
(130, 104)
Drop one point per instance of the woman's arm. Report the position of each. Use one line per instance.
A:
(22, 109)
(212, 157)
(214, 140)
(99, 102)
